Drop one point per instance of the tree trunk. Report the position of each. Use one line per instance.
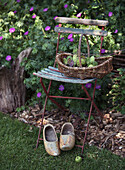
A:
(12, 88)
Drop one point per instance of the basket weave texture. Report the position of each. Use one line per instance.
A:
(103, 68)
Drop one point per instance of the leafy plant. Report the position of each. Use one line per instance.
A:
(118, 92)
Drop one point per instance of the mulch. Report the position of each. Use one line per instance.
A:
(108, 133)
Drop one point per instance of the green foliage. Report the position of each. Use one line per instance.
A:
(118, 92)
(44, 42)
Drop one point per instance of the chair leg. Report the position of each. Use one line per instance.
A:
(92, 103)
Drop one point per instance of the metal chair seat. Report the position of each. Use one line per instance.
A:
(53, 73)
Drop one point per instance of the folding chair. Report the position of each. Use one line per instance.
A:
(52, 73)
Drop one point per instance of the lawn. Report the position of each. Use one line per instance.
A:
(17, 152)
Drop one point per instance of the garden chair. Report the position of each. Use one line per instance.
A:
(52, 73)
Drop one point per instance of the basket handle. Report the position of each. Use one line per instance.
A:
(79, 48)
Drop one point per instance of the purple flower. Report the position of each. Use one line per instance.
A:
(12, 30)
(34, 16)
(55, 17)
(88, 1)
(116, 31)
(62, 38)
(88, 85)
(18, 0)
(71, 63)
(70, 36)
(61, 87)
(71, 39)
(57, 26)
(98, 86)
(8, 58)
(65, 6)
(110, 14)
(15, 12)
(26, 33)
(31, 9)
(39, 94)
(103, 51)
(1, 37)
(46, 9)
(47, 28)
(79, 15)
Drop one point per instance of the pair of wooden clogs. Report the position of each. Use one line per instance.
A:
(67, 139)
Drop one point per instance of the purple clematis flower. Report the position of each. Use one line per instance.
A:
(8, 58)
(12, 30)
(61, 87)
(98, 86)
(116, 31)
(47, 28)
(55, 17)
(71, 39)
(34, 16)
(15, 12)
(110, 14)
(18, 0)
(65, 6)
(70, 36)
(71, 63)
(62, 38)
(88, 85)
(79, 15)
(26, 33)
(39, 94)
(1, 37)
(46, 9)
(31, 9)
(103, 51)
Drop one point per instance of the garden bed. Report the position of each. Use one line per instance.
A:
(108, 133)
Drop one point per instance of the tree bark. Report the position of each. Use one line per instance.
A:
(12, 88)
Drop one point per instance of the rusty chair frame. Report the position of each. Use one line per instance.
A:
(59, 77)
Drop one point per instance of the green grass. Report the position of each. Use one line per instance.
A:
(17, 152)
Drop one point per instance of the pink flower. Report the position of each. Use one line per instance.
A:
(8, 58)
(12, 30)
(34, 16)
(98, 86)
(103, 51)
(57, 26)
(65, 6)
(46, 9)
(39, 94)
(110, 14)
(31, 9)
(55, 17)
(18, 0)
(47, 28)
(71, 39)
(88, 85)
(61, 87)
(116, 31)
(15, 12)
(79, 15)
(70, 36)
(26, 33)
(1, 37)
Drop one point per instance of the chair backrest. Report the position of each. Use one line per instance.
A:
(66, 20)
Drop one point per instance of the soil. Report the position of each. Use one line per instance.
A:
(108, 132)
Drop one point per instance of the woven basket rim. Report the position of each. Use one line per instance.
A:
(81, 68)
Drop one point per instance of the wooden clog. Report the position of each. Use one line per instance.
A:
(50, 140)
(67, 137)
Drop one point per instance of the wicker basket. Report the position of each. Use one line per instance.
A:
(103, 68)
